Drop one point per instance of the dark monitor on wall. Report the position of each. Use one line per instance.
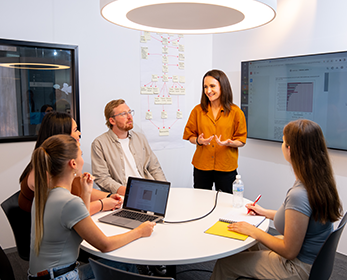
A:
(277, 91)
(35, 79)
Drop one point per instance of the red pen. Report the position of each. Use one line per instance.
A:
(255, 201)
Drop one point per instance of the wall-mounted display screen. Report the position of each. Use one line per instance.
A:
(277, 91)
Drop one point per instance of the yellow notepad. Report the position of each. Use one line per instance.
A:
(221, 229)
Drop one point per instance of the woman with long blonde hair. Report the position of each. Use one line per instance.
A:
(60, 220)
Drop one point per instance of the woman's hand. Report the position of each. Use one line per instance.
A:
(258, 210)
(86, 181)
(146, 229)
(204, 141)
(243, 228)
(228, 142)
(255, 210)
(118, 198)
(112, 202)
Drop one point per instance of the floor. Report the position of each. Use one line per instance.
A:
(184, 272)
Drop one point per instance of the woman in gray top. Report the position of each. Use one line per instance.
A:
(60, 220)
(304, 219)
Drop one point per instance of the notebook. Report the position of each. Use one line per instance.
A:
(234, 217)
(221, 227)
(143, 199)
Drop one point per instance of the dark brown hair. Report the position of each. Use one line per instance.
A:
(311, 164)
(226, 97)
(52, 124)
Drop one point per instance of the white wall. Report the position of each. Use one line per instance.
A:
(109, 69)
(109, 64)
(301, 27)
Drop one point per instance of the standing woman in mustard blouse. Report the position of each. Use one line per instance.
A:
(218, 128)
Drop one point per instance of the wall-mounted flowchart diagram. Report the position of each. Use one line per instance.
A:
(162, 89)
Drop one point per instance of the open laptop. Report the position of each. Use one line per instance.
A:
(144, 200)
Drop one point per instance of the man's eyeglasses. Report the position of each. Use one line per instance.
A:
(125, 114)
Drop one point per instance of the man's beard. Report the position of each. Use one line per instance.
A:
(126, 127)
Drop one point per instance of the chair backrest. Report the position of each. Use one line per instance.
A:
(324, 263)
(6, 271)
(20, 222)
(102, 271)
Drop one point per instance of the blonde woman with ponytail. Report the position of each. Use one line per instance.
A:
(60, 220)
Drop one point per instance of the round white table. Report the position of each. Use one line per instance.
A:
(176, 244)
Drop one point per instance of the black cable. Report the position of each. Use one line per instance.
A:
(195, 219)
(194, 269)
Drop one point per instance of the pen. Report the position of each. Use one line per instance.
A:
(255, 201)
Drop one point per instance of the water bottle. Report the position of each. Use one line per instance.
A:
(238, 189)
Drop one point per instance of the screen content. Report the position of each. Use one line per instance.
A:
(148, 196)
(277, 91)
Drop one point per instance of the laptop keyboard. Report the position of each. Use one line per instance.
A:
(135, 216)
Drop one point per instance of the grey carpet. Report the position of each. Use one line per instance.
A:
(20, 268)
(184, 272)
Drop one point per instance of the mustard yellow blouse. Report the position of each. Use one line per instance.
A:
(232, 126)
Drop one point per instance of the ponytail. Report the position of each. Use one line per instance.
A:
(49, 162)
(42, 168)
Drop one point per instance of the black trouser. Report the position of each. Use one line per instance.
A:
(223, 180)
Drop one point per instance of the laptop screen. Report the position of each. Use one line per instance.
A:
(146, 195)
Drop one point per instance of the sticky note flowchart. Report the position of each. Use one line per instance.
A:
(165, 83)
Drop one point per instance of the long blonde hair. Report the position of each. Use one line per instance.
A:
(49, 161)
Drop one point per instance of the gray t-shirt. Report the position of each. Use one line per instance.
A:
(60, 242)
(316, 234)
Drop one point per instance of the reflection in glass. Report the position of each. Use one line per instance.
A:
(35, 79)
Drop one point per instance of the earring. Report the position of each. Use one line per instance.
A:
(74, 173)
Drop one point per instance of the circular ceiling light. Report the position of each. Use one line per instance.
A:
(189, 17)
(34, 66)
(34, 63)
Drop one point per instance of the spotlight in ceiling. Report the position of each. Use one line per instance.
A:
(189, 17)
